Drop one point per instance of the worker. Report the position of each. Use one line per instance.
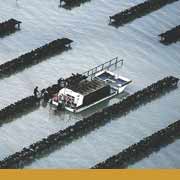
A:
(61, 83)
(46, 96)
(36, 91)
(42, 93)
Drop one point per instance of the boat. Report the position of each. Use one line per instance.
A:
(99, 85)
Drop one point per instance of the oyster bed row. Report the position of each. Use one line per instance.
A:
(34, 57)
(170, 36)
(138, 11)
(142, 149)
(9, 26)
(56, 140)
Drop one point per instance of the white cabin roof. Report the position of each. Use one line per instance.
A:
(106, 75)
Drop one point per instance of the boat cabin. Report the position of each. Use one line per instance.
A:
(81, 95)
(99, 85)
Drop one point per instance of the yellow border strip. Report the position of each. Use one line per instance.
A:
(90, 174)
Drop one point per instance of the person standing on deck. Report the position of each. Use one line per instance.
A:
(36, 91)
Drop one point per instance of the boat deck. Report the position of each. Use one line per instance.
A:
(107, 76)
(86, 87)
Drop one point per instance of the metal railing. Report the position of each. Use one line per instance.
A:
(105, 66)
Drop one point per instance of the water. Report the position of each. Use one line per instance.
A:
(146, 61)
(168, 153)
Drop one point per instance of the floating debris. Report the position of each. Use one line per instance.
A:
(9, 26)
(56, 140)
(137, 11)
(34, 57)
(69, 4)
(142, 149)
(171, 36)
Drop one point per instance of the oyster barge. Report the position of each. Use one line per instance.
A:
(99, 85)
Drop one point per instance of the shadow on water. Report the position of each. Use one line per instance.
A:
(10, 33)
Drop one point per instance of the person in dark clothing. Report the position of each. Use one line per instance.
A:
(46, 96)
(61, 83)
(36, 91)
(42, 92)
